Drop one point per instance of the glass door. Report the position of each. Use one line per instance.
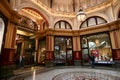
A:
(63, 50)
(85, 50)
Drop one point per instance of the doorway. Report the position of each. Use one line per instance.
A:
(63, 51)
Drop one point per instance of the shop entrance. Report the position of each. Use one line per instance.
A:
(99, 45)
(63, 51)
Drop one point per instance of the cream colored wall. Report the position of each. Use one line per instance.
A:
(106, 13)
(117, 9)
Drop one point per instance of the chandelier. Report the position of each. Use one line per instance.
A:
(81, 15)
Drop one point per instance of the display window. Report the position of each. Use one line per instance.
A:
(99, 45)
(42, 51)
(63, 50)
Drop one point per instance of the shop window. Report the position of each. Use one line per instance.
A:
(2, 26)
(63, 50)
(92, 21)
(99, 45)
(62, 25)
(42, 51)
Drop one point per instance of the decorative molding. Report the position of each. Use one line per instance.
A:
(95, 29)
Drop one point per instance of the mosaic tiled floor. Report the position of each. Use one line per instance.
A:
(84, 76)
(75, 74)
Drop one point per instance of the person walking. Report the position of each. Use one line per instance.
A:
(22, 61)
(92, 60)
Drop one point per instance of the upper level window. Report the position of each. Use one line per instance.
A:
(92, 21)
(62, 25)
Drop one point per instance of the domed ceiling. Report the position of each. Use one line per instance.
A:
(63, 8)
(71, 5)
(69, 8)
(66, 8)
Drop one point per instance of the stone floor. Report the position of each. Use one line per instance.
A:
(43, 73)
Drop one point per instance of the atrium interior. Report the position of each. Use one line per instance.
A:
(59, 39)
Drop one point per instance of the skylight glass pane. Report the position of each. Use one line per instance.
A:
(84, 25)
(63, 25)
(57, 26)
(100, 20)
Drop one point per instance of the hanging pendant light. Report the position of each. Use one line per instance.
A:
(81, 15)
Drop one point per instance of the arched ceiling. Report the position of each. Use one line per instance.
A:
(61, 8)
(30, 13)
(66, 8)
(71, 5)
(69, 8)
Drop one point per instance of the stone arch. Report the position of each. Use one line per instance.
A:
(63, 19)
(59, 22)
(96, 14)
(104, 16)
(95, 18)
(35, 8)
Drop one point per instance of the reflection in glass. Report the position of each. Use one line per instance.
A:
(69, 54)
(42, 50)
(99, 45)
(84, 42)
(85, 54)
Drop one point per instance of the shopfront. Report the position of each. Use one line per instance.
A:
(42, 51)
(63, 51)
(98, 44)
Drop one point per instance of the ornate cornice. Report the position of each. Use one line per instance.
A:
(90, 30)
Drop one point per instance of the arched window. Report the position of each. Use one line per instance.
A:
(2, 26)
(92, 21)
(62, 25)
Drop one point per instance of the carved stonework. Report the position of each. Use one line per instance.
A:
(63, 32)
(26, 22)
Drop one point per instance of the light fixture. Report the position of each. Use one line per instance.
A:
(81, 15)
